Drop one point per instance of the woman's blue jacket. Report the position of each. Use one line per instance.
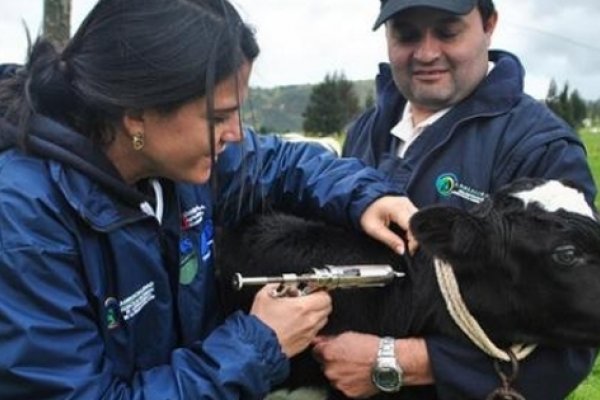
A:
(100, 301)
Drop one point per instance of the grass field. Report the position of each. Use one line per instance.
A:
(590, 389)
(592, 144)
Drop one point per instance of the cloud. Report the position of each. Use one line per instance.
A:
(554, 41)
(303, 40)
(13, 16)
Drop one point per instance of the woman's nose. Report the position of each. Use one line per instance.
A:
(233, 130)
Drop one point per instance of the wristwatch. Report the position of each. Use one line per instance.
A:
(386, 373)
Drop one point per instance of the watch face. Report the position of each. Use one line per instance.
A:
(387, 379)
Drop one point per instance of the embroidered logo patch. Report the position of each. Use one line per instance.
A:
(133, 304)
(194, 247)
(206, 240)
(193, 217)
(448, 185)
(188, 268)
(112, 313)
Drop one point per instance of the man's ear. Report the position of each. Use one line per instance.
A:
(489, 27)
(448, 233)
(133, 122)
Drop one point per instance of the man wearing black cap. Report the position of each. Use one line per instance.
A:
(451, 124)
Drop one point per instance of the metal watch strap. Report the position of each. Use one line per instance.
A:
(387, 347)
(387, 374)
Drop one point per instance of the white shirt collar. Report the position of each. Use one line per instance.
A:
(407, 132)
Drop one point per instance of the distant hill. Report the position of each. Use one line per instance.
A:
(280, 109)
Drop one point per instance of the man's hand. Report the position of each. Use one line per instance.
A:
(348, 360)
(377, 218)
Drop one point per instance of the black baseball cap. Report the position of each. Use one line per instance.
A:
(391, 7)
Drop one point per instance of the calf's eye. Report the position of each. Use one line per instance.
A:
(565, 255)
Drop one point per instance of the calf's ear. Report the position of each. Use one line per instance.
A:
(447, 233)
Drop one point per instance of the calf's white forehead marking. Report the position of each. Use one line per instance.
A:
(553, 195)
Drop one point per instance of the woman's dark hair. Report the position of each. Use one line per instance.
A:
(127, 56)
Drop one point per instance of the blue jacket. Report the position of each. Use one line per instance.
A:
(495, 135)
(100, 301)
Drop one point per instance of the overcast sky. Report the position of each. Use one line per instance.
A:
(303, 40)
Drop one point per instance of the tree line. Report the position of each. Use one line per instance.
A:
(333, 104)
(568, 104)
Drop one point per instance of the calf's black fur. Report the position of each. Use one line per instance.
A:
(526, 274)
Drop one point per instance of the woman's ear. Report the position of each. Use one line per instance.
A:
(133, 122)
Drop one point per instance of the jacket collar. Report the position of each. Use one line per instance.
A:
(102, 210)
(498, 92)
(86, 177)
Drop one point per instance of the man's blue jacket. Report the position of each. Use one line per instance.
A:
(495, 135)
(100, 301)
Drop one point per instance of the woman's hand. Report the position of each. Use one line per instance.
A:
(377, 218)
(295, 320)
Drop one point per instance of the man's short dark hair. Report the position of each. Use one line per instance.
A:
(486, 9)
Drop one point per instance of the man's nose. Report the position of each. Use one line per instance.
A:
(428, 49)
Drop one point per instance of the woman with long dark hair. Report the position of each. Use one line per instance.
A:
(119, 156)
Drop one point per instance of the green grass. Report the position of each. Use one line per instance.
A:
(299, 394)
(590, 388)
(592, 144)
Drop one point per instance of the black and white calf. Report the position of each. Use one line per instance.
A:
(527, 261)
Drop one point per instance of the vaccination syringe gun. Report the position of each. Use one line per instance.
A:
(327, 278)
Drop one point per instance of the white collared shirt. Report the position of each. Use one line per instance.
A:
(407, 132)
